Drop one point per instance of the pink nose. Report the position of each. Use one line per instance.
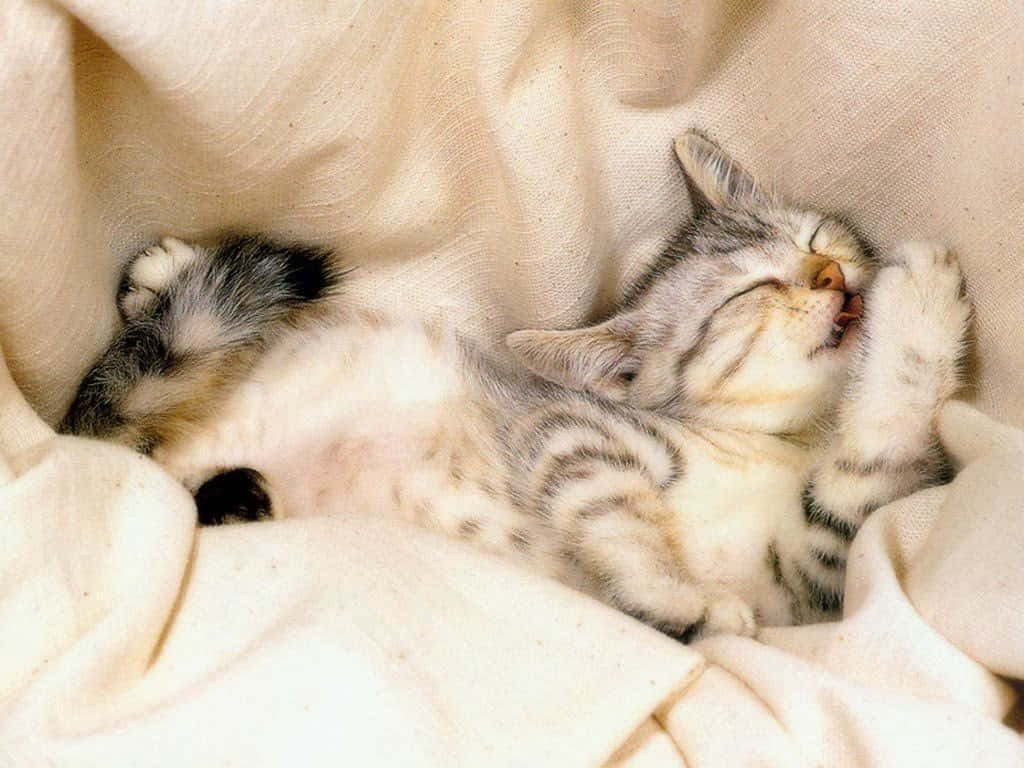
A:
(830, 278)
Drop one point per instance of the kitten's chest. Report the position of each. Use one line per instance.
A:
(739, 494)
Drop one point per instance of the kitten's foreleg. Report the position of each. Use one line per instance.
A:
(885, 446)
(622, 548)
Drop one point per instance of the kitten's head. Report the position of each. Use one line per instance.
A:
(748, 317)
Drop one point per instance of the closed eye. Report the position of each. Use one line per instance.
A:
(814, 234)
(744, 292)
(754, 287)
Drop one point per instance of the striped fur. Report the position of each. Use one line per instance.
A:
(702, 459)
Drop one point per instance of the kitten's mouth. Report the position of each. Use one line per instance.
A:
(848, 316)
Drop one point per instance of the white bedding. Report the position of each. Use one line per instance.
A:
(501, 163)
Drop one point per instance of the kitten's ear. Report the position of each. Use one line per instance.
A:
(713, 178)
(600, 359)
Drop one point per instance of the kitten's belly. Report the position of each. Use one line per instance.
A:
(338, 422)
(326, 407)
(728, 514)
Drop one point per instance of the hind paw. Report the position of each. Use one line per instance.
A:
(149, 274)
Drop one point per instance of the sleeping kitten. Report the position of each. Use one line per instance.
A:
(673, 461)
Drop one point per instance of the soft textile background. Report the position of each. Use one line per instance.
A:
(501, 164)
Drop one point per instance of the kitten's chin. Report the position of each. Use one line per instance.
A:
(839, 343)
(847, 322)
(845, 328)
(848, 338)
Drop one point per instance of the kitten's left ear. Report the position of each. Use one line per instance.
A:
(600, 359)
(715, 176)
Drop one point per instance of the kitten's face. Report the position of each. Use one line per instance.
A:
(775, 348)
(750, 315)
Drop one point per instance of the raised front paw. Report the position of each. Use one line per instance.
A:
(150, 272)
(926, 280)
(918, 313)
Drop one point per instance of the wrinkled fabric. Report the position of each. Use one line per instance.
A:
(497, 164)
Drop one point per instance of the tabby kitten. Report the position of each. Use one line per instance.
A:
(675, 461)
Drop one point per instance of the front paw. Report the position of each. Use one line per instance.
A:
(918, 311)
(689, 612)
(728, 614)
(926, 277)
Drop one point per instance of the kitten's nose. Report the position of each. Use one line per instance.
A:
(830, 278)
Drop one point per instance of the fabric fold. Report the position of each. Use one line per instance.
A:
(502, 164)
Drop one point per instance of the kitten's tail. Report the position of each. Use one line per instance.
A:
(195, 321)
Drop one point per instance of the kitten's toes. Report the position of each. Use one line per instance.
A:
(727, 614)
(150, 272)
(939, 284)
(920, 255)
(918, 314)
(926, 276)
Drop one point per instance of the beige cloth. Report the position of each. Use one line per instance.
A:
(502, 163)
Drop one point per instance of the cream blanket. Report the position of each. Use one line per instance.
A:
(502, 163)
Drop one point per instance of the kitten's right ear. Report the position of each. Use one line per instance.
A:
(598, 359)
(714, 179)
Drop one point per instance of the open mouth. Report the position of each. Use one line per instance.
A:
(848, 315)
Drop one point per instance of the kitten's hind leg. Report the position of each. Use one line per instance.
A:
(622, 550)
(195, 320)
(150, 273)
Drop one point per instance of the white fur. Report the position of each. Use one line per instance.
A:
(153, 271)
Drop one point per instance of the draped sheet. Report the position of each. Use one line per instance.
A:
(499, 164)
